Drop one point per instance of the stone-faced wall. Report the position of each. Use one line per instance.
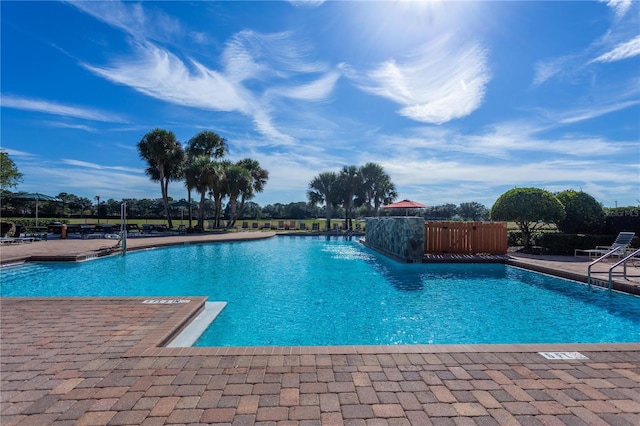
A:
(401, 238)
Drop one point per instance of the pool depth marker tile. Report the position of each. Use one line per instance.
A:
(563, 355)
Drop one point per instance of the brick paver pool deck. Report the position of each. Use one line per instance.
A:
(88, 361)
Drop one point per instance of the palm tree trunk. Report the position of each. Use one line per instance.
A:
(201, 212)
(233, 203)
(240, 209)
(189, 200)
(218, 209)
(164, 183)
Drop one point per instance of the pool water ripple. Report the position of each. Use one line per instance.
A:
(319, 291)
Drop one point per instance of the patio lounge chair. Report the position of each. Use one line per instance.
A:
(16, 240)
(621, 244)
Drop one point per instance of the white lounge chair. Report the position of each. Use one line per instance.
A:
(620, 245)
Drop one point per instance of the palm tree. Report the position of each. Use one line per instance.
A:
(377, 188)
(259, 177)
(199, 175)
(164, 156)
(218, 188)
(350, 182)
(324, 189)
(238, 181)
(207, 145)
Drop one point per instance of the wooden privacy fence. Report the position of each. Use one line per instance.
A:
(465, 237)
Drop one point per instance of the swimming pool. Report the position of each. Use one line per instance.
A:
(317, 291)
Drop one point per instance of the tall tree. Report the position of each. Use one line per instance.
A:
(473, 211)
(377, 188)
(218, 188)
(350, 182)
(528, 207)
(164, 156)
(323, 189)
(584, 214)
(199, 174)
(209, 145)
(259, 177)
(10, 177)
(237, 181)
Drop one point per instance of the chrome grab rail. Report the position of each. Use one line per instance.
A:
(624, 263)
(606, 255)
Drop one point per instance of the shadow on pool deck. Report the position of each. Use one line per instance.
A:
(90, 361)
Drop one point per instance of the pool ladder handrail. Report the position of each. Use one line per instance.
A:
(622, 262)
(600, 259)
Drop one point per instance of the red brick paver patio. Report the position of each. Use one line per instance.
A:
(82, 361)
(90, 362)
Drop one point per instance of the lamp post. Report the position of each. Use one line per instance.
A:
(97, 197)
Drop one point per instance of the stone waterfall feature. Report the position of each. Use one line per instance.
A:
(401, 238)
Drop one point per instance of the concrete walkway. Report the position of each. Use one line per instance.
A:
(87, 361)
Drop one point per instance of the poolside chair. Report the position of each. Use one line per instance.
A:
(620, 245)
(16, 240)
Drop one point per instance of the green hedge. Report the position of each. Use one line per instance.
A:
(557, 243)
(565, 244)
(514, 237)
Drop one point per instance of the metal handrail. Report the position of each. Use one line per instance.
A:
(624, 263)
(606, 255)
(123, 227)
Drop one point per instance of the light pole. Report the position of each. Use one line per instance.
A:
(97, 197)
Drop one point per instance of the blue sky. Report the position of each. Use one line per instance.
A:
(458, 101)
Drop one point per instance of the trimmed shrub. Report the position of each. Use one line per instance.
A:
(584, 215)
(565, 244)
(529, 208)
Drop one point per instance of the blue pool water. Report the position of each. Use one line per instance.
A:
(314, 291)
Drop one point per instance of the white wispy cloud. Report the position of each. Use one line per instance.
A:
(54, 108)
(443, 80)
(18, 153)
(158, 73)
(620, 7)
(546, 69)
(261, 62)
(587, 114)
(133, 19)
(70, 126)
(502, 141)
(96, 166)
(622, 51)
(318, 90)
(254, 68)
(251, 54)
(306, 3)
(620, 41)
(78, 177)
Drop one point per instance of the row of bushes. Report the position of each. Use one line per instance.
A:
(557, 243)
